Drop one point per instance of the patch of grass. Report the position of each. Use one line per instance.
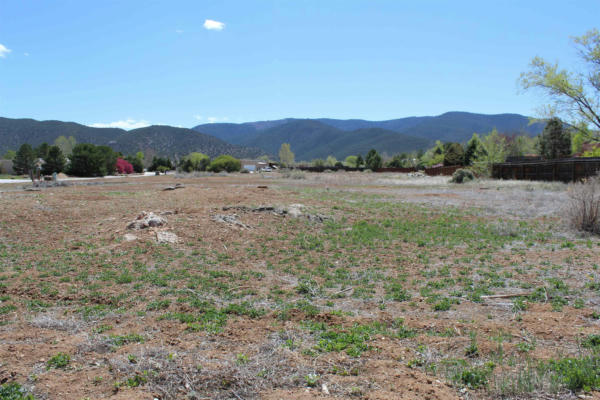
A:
(575, 373)
(60, 360)
(121, 340)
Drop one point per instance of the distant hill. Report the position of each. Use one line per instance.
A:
(318, 138)
(312, 139)
(158, 139)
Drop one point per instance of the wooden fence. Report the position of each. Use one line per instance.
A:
(428, 171)
(565, 170)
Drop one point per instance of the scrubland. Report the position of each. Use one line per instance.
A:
(403, 288)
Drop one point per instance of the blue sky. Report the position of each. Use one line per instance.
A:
(109, 62)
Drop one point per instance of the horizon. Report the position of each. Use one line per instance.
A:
(236, 62)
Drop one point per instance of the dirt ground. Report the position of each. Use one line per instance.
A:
(339, 285)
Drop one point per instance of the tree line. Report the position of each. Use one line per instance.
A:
(88, 160)
(558, 140)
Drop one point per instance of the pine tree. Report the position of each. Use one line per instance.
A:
(55, 161)
(373, 160)
(23, 162)
(555, 142)
(453, 154)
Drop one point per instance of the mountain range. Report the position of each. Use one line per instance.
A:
(157, 140)
(309, 138)
(318, 138)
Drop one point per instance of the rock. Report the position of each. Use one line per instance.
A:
(146, 220)
(166, 237)
(324, 389)
(230, 220)
(295, 210)
(128, 237)
(177, 186)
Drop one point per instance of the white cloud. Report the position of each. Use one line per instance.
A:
(213, 25)
(4, 51)
(180, 31)
(211, 120)
(126, 124)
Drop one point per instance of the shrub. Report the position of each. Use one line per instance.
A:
(583, 212)
(225, 163)
(462, 175)
(124, 167)
(13, 391)
(61, 360)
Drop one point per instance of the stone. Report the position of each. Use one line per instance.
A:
(166, 237)
(147, 220)
(128, 237)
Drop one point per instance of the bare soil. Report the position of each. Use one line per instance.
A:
(277, 307)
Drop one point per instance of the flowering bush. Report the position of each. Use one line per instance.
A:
(124, 167)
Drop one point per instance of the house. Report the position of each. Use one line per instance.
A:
(258, 165)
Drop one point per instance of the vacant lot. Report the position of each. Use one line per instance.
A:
(373, 286)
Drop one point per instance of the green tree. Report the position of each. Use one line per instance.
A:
(331, 161)
(286, 157)
(350, 161)
(434, 156)
(195, 162)
(474, 147)
(66, 144)
(373, 160)
(42, 151)
(110, 159)
(521, 145)
(398, 161)
(136, 162)
(87, 160)
(24, 160)
(55, 161)
(493, 150)
(453, 154)
(9, 155)
(160, 162)
(574, 94)
(359, 161)
(555, 142)
(225, 163)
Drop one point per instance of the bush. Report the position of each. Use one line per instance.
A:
(583, 212)
(13, 391)
(124, 167)
(462, 176)
(225, 163)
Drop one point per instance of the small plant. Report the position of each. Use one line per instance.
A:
(241, 359)
(311, 380)
(61, 360)
(472, 350)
